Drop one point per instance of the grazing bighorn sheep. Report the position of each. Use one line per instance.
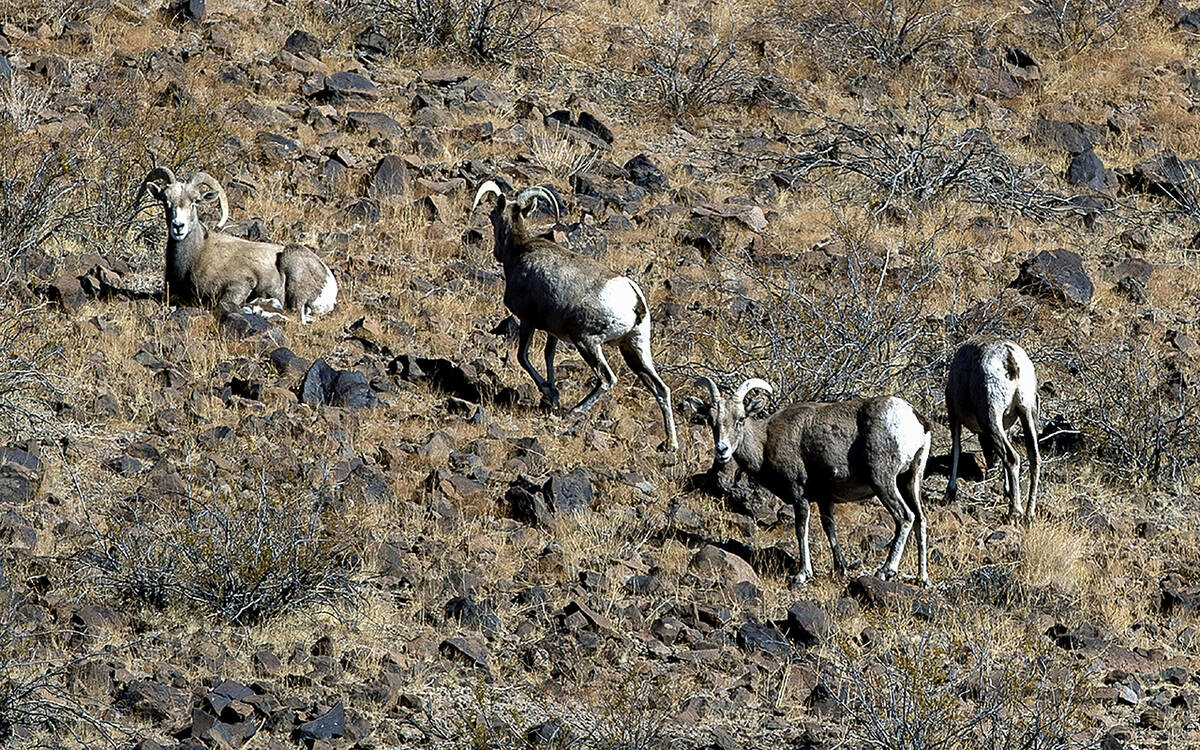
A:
(829, 453)
(991, 384)
(204, 266)
(571, 298)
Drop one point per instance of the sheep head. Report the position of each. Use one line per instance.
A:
(727, 416)
(180, 200)
(508, 218)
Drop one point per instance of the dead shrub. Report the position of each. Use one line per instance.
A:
(1136, 405)
(243, 549)
(685, 63)
(891, 34)
(932, 691)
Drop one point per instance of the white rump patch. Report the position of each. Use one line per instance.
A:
(620, 300)
(902, 423)
(323, 304)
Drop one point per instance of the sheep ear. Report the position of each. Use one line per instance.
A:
(155, 190)
(698, 409)
(208, 196)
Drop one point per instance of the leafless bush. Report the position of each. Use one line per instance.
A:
(244, 553)
(29, 355)
(628, 715)
(483, 29)
(35, 700)
(21, 104)
(1075, 25)
(114, 160)
(1138, 410)
(890, 33)
(905, 168)
(926, 693)
(684, 64)
(858, 327)
(34, 184)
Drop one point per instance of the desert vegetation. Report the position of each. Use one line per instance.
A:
(370, 530)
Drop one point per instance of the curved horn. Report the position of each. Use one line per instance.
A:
(535, 193)
(750, 385)
(488, 188)
(204, 178)
(154, 175)
(713, 391)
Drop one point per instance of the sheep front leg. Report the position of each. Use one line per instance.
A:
(800, 503)
(551, 345)
(234, 295)
(825, 507)
(526, 336)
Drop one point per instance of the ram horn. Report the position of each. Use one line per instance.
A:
(205, 179)
(488, 188)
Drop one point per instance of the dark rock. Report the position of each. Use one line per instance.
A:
(300, 42)
(242, 325)
(1178, 597)
(724, 566)
(287, 364)
(1057, 274)
(154, 701)
(1164, 174)
(550, 733)
(468, 650)
(586, 239)
(375, 123)
(757, 637)
(21, 475)
(348, 83)
(324, 728)
(872, 592)
(570, 493)
(67, 291)
(389, 178)
(806, 623)
(323, 385)
(645, 173)
(187, 10)
(465, 381)
(1082, 636)
(1071, 137)
(588, 122)
(1086, 170)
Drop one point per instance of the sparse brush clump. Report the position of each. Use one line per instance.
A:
(243, 549)
(934, 689)
(35, 182)
(1054, 560)
(503, 30)
(684, 63)
(1137, 405)
(858, 326)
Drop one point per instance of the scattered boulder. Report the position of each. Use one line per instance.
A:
(645, 173)
(724, 566)
(806, 623)
(21, 474)
(325, 386)
(1057, 274)
(1087, 170)
(325, 727)
(390, 177)
(756, 637)
(348, 84)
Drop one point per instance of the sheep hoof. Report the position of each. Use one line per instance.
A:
(800, 580)
(885, 573)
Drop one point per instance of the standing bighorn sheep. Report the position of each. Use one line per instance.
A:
(210, 266)
(991, 384)
(571, 298)
(829, 453)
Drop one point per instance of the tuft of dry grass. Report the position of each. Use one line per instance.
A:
(1054, 557)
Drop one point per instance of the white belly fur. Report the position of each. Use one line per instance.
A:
(323, 304)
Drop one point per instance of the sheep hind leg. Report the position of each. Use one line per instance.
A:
(551, 346)
(636, 352)
(825, 508)
(903, 516)
(594, 356)
(1010, 461)
(800, 503)
(1034, 454)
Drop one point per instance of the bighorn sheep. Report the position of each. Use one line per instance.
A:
(829, 453)
(204, 266)
(991, 384)
(573, 299)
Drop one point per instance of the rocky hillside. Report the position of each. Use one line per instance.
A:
(227, 531)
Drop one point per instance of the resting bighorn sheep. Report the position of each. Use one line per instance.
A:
(829, 453)
(571, 298)
(991, 384)
(204, 266)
